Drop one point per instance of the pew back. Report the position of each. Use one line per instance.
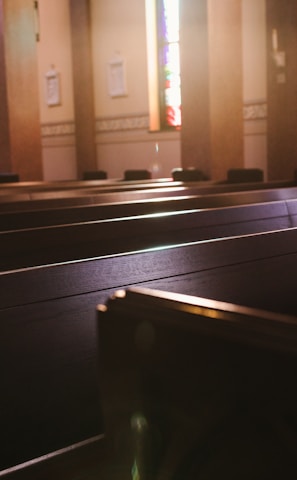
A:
(22, 200)
(50, 398)
(51, 244)
(195, 388)
(59, 215)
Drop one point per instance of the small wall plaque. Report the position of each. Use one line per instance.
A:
(52, 88)
(116, 78)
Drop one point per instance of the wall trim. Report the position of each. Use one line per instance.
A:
(255, 110)
(58, 129)
(252, 110)
(121, 123)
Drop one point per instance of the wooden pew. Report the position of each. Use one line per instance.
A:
(52, 244)
(197, 388)
(50, 399)
(48, 186)
(59, 215)
(54, 191)
(27, 200)
(36, 191)
(42, 185)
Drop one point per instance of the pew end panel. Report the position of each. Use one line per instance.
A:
(195, 388)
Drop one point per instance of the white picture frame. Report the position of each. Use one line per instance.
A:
(52, 88)
(116, 78)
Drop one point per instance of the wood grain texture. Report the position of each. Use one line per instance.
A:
(51, 244)
(19, 200)
(63, 214)
(50, 380)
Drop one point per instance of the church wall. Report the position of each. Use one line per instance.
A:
(122, 122)
(57, 120)
(122, 137)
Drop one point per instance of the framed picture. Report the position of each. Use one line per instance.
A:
(116, 77)
(52, 88)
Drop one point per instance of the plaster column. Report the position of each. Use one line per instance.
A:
(212, 86)
(21, 137)
(83, 85)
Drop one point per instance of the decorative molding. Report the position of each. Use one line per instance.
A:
(256, 110)
(57, 129)
(123, 123)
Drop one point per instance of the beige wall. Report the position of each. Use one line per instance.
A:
(123, 140)
(122, 137)
(119, 30)
(254, 50)
(54, 50)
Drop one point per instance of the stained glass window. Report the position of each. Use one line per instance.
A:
(169, 64)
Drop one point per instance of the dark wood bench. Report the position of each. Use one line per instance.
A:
(32, 191)
(43, 186)
(52, 244)
(64, 190)
(197, 388)
(26, 200)
(60, 214)
(114, 183)
(50, 398)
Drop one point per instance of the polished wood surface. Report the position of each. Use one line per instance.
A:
(23, 199)
(50, 382)
(81, 240)
(197, 388)
(61, 214)
(49, 349)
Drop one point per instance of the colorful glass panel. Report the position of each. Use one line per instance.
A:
(169, 63)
